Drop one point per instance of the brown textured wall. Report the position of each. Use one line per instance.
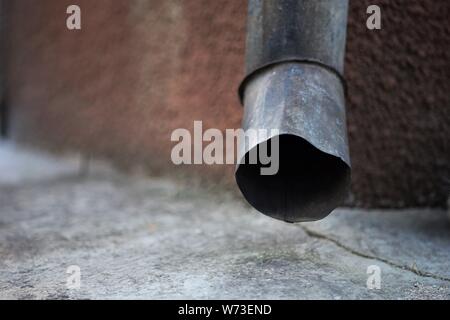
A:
(399, 103)
(139, 69)
(3, 116)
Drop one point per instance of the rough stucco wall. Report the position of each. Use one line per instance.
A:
(399, 103)
(3, 116)
(140, 69)
(136, 71)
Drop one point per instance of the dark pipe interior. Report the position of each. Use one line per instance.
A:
(308, 186)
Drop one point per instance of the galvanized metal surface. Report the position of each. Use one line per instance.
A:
(295, 54)
(306, 104)
(296, 30)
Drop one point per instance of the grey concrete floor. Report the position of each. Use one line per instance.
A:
(150, 238)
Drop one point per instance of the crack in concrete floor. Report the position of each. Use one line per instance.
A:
(358, 253)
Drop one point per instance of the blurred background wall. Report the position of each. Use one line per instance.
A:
(139, 69)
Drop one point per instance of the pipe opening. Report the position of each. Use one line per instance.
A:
(309, 183)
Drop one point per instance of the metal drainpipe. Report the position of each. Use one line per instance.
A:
(294, 83)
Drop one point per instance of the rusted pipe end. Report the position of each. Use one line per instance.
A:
(305, 104)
